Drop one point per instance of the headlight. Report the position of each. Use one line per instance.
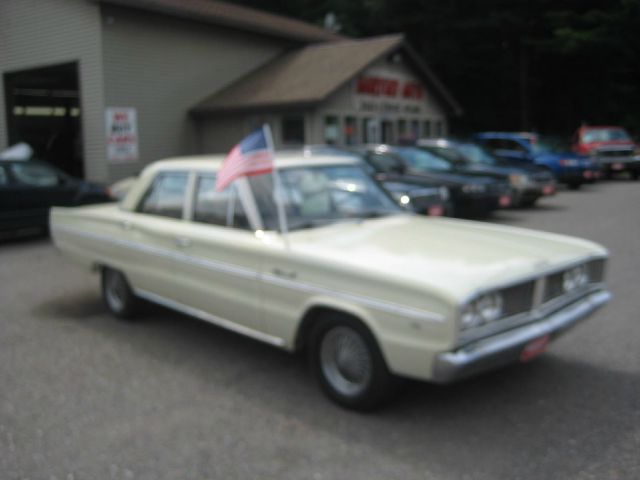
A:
(575, 278)
(473, 188)
(516, 179)
(484, 309)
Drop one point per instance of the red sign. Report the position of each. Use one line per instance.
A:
(377, 86)
(387, 87)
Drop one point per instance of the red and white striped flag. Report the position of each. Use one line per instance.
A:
(252, 156)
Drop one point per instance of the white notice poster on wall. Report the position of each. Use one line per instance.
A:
(122, 134)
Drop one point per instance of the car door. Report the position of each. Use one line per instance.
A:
(219, 258)
(149, 239)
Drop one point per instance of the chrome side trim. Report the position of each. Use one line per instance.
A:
(207, 317)
(370, 302)
(505, 348)
(387, 307)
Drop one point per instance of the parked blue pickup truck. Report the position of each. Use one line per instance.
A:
(568, 167)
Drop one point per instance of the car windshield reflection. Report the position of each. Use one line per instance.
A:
(320, 195)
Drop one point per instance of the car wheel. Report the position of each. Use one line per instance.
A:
(348, 363)
(117, 294)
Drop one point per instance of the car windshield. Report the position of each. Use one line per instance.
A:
(476, 154)
(319, 195)
(604, 135)
(423, 160)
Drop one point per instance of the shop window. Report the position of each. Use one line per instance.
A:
(387, 131)
(426, 128)
(439, 131)
(350, 130)
(415, 129)
(293, 129)
(331, 129)
(402, 128)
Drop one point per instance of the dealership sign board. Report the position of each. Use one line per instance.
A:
(122, 134)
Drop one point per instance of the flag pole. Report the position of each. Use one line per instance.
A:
(277, 183)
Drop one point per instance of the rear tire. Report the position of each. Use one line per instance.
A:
(348, 364)
(117, 294)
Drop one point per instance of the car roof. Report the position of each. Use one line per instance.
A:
(283, 159)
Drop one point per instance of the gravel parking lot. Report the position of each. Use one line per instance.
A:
(84, 396)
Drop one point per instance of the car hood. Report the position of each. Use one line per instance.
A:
(456, 258)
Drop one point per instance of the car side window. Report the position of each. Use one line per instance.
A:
(3, 177)
(513, 146)
(35, 174)
(218, 208)
(166, 195)
(383, 163)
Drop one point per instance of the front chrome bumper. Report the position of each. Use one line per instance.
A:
(505, 348)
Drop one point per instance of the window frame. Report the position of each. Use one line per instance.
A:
(187, 194)
(197, 178)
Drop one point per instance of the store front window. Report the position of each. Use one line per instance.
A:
(350, 131)
(293, 130)
(426, 128)
(331, 129)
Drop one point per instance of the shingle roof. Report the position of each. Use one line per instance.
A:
(304, 76)
(235, 16)
(308, 75)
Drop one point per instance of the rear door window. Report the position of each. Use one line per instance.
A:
(166, 196)
(218, 208)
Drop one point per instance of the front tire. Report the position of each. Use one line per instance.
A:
(348, 364)
(117, 294)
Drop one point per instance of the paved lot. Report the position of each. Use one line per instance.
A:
(83, 396)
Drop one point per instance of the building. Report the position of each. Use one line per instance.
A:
(103, 87)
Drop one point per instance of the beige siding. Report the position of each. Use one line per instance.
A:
(39, 33)
(162, 66)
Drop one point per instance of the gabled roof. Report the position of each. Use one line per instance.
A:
(309, 75)
(235, 16)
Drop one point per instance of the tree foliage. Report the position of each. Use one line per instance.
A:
(512, 64)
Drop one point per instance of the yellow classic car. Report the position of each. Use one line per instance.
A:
(370, 291)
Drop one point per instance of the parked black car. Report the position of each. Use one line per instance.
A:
(471, 196)
(427, 198)
(28, 188)
(528, 182)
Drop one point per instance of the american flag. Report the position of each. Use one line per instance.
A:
(252, 156)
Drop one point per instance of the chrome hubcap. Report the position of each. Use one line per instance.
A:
(345, 361)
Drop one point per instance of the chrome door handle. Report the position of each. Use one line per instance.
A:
(183, 242)
(284, 273)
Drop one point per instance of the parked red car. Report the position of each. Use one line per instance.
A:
(611, 147)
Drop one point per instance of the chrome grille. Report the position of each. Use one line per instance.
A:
(517, 299)
(595, 269)
(615, 153)
(554, 282)
(553, 286)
